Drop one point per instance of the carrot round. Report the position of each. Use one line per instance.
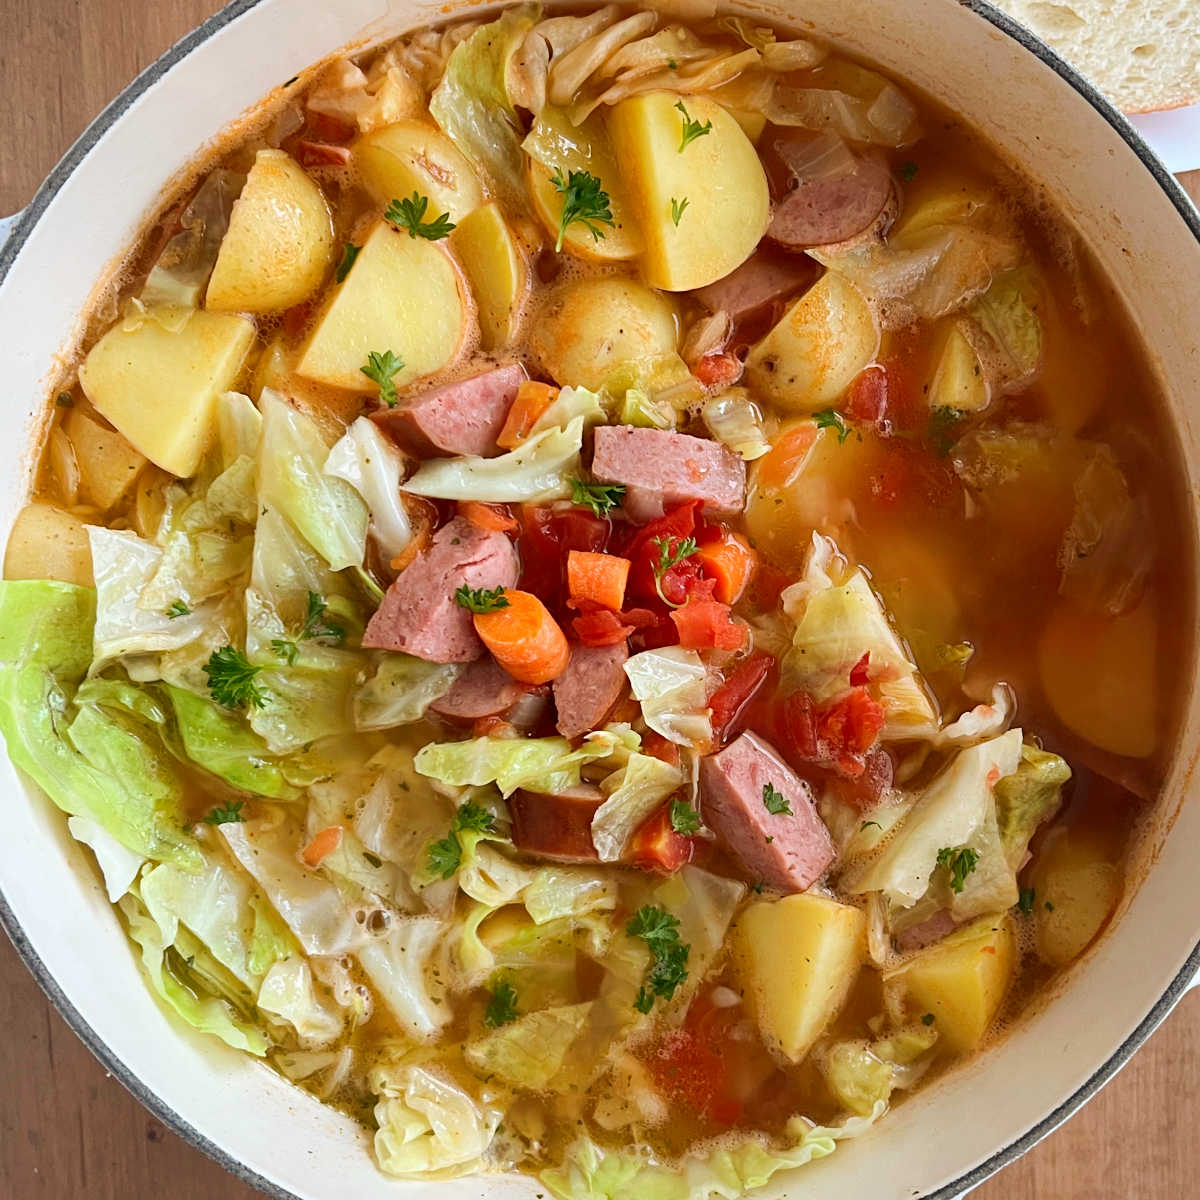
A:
(487, 516)
(532, 400)
(730, 562)
(524, 638)
(600, 578)
(322, 846)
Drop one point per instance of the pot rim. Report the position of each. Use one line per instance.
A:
(24, 225)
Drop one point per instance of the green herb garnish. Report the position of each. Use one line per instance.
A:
(670, 555)
(444, 856)
(177, 608)
(64, 400)
(601, 498)
(829, 418)
(908, 172)
(226, 814)
(677, 207)
(379, 368)
(409, 214)
(481, 600)
(943, 421)
(691, 129)
(928, 1019)
(776, 803)
(585, 201)
(660, 931)
(502, 1007)
(684, 818)
(959, 862)
(1025, 901)
(315, 627)
(232, 679)
(349, 254)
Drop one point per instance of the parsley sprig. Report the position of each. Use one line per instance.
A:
(481, 600)
(315, 628)
(776, 803)
(830, 418)
(233, 679)
(409, 214)
(585, 201)
(660, 931)
(943, 426)
(380, 368)
(691, 129)
(1025, 901)
(601, 498)
(177, 608)
(502, 1007)
(445, 855)
(226, 814)
(960, 862)
(677, 207)
(685, 819)
(349, 254)
(671, 552)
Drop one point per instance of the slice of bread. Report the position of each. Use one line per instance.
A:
(1143, 54)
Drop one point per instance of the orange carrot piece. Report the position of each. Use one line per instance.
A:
(524, 638)
(731, 562)
(322, 846)
(783, 464)
(424, 516)
(600, 578)
(532, 400)
(488, 516)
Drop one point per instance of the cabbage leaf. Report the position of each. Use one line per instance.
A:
(118, 865)
(400, 691)
(288, 993)
(671, 686)
(372, 465)
(1027, 798)
(529, 1052)
(403, 967)
(633, 793)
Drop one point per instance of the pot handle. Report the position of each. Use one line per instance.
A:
(7, 225)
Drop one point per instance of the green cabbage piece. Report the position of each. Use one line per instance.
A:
(400, 691)
(529, 1052)
(633, 793)
(1007, 312)
(239, 427)
(863, 1074)
(736, 1166)
(428, 1127)
(640, 409)
(736, 421)
(330, 514)
(404, 967)
(546, 764)
(370, 462)
(671, 686)
(1028, 797)
(288, 994)
(118, 865)
(567, 891)
(472, 105)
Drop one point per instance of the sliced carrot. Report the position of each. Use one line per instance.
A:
(600, 578)
(787, 457)
(423, 516)
(731, 563)
(532, 400)
(524, 638)
(488, 516)
(322, 846)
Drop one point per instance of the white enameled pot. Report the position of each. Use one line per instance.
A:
(1039, 114)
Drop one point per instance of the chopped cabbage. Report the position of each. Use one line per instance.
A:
(372, 465)
(428, 1126)
(472, 104)
(671, 686)
(729, 1170)
(1026, 798)
(565, 891)
(1007, 314)
(291, 478)
(570, 403)
(735, 421)
(119, 866)
(239, 428)
(863, 1074)
(633, 793)
(400, 691)
(529, 1051)
(403, 969)
(288, 993)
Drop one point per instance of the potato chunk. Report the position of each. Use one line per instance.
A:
(159, 385)
(1076, 886)
(496, 268)
(108, 464)
(403, 294)
(824, 340)
(717, 173)
(279, 242)
(411, 156)
(960, 981)
(797, 959)
(48, 543)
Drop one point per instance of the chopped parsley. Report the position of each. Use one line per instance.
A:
(908, 172)
(775, 803)
(691, 129)
(677, 207)
(315, 628)
(481, 600)
(830, 418)
(379, 368)
(444, 856)
(233, 680)
(1025, 901)
(372, 860)
(409, 214)
(928, 1019)
(177, 608)
(585, 201)
(867, 825)
(349, 254)
(959, 862)
(943, 421)
(660, 931)
(684, 818)
(671, 552)
(226, 814)
(64, 400)
(601, 498)
(502, 1007)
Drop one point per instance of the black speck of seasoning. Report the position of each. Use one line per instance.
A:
(1049, 906)
(456, 542)
(291, 81)
(769, 364)
(64, 400)
(928, 1019)
(770, 840)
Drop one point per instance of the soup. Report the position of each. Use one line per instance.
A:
(602, 592)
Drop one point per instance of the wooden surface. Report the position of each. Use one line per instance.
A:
(66, 1129)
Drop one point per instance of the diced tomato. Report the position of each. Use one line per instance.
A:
(718, 370)
(602, 627)
(836, 736)
(322, 154)
(912, 474)
(325, 128)
(860, 672)
(657, 847)
(767, 586)
(659, 747)
(642, 549)
(867, 396)
(728, 703)
(707, 624)
(690, 1066)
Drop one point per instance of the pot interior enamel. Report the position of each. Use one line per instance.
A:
(947, 1137)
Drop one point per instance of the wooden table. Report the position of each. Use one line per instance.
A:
(67, 1130)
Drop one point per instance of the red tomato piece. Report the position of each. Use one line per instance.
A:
(728, 703)
(689, 1071)
(659, 747)
(657, 847)
(867, 395)
(602, 627)
(706, 624)
(718, 370)
(643, 550)
(860, 672)
(836, 736)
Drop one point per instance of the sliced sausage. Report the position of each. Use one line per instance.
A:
(788, 852)
(463, 417)
(660, 469)
(556, 826)
(826, 206)
(762, 279)
(419, 614)
(931, 930)
(592, 683)
(484, 689)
